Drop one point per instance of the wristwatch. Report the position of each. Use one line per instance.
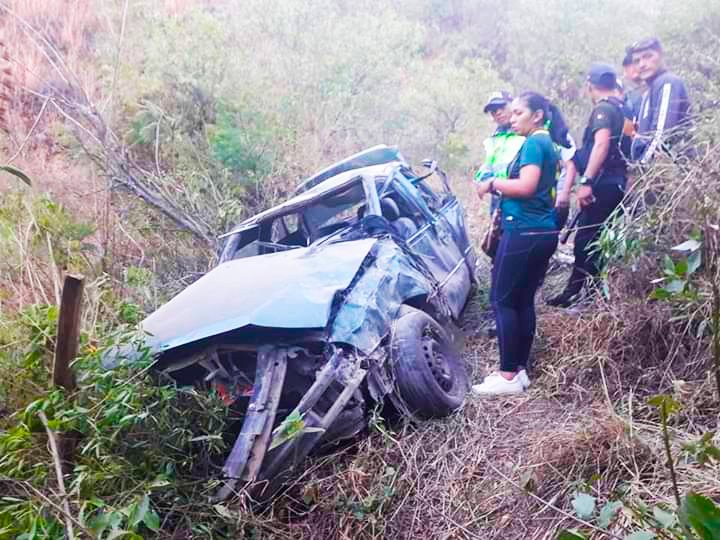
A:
(492, 188)
(586, 180)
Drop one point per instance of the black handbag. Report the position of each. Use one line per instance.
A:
(491, 239)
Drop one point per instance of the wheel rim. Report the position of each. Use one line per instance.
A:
(433, 351)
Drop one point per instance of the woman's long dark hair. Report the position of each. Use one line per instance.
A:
(558, 128)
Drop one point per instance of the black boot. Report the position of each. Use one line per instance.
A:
(563, 300)
(572, 289)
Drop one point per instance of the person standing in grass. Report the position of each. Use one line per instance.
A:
(502, 146)
(664, 114)
(528, 240)
(604, 177)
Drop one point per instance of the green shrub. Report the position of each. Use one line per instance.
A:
(243, 142)
(146, 448)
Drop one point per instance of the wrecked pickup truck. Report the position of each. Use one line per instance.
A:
(334, 302)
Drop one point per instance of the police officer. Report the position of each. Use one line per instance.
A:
(502, 146)
(664, 106)
(604, 176)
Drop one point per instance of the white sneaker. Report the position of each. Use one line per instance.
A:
(495, 384)
(524, 379)
(522, 375)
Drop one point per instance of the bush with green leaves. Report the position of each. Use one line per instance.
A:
(146, 450)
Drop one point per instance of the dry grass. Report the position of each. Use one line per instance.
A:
(42, 43)
(50, 47)
(464, 477)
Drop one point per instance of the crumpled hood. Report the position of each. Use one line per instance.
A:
(290, 289)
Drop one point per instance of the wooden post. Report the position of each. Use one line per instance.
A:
(68, 332)
(66, 349)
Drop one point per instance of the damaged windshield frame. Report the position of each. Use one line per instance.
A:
(259, 234)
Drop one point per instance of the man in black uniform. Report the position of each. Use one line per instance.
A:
(604, 176)
(665, 107)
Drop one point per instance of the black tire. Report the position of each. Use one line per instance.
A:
(430, 374)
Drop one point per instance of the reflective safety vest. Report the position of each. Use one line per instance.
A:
(500, 150)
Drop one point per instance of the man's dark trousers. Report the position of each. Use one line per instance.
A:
(609, 192)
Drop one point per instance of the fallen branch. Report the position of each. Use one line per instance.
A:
(58, 472)
(32, 130)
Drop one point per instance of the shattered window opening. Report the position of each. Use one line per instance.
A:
(249, 244)
(339, 210)
(287, 230)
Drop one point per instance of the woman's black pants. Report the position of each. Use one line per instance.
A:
(518, 270)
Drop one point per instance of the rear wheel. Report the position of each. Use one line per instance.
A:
(430, 374)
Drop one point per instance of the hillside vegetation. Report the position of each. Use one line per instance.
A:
(149, 128)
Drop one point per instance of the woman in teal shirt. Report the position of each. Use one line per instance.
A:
(529, 237)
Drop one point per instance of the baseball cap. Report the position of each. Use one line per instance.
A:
(644, 45)
(602, 75)
(497, 100)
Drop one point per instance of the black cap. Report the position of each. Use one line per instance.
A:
(644, 45)
(498, 100)
(603, 75)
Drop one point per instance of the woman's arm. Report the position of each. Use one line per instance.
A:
(525, 186)
(520, 188)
